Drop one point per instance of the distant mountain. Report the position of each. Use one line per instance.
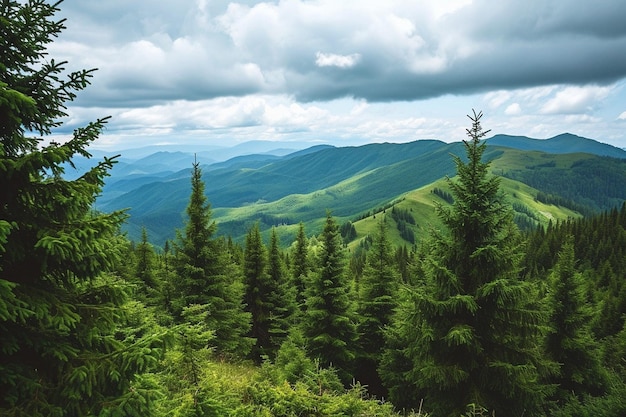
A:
(213, 153)
(349, 181)
(564, 143)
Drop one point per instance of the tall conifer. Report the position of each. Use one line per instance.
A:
(207, 276)
(300, 267)
(60, 311)
(145, 268)
(281, 294)
(257, 291)
(570, 341)
(378, 295)
(472, 333)
(328, 323)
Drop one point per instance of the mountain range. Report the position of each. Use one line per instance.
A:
(281, 187)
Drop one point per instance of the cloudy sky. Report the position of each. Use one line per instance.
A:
(345, 72)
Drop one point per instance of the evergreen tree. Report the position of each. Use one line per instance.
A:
(257, 292)
(281, 295)
(145, 269)
(207, 276)
(471, 332)
(328, 323)
(300, 267)
(570, 342)
(378, 291)
(60, 352)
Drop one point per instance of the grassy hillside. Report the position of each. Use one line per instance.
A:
(351, 181)
(421, 203)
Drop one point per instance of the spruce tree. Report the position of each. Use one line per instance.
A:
(378, 299)
(570, 341)
(281, 295)
(472, 332)
(60, 308)
(300, 267)
(145, 268)
(257, 291)
(207, 276)
(328, 323)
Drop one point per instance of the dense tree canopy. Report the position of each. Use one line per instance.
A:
(471, 330)
(59, 308)
(478, 315)
(328, 323)
(207, 276)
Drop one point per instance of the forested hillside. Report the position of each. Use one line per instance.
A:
(479, 316)
(282, 191)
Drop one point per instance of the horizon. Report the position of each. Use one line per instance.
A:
(284, 145)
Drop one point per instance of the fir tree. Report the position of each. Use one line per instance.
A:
(471, 332)
(207, 276)
(328, 323)
(60, 352)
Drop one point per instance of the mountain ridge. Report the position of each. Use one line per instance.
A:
(562, 143)
(347, 180)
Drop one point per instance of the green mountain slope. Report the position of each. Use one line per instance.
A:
(421, 204)
(283, 191)
(563, 143)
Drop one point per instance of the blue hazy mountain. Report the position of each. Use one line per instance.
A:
(347, 180)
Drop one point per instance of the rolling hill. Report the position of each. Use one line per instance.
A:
(570, 174)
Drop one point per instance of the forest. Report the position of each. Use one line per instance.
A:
(481, 318)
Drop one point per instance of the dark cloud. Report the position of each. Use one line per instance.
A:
(150, 51)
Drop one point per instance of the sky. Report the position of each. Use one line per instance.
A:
(351, 72)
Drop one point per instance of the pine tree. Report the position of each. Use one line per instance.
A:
(378, 295)
(60, 308)
(207, 276)
(472, 332)
(328, 323)
(570, 342)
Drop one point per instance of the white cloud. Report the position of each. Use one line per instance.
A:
(334, 60)
(575, 99)
(263, 67)
(496, 99)
(513, 110)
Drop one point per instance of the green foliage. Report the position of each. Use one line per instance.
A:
(377, 301)
(588, 185)
(268, 299)
(570, 342)
(300, 267)
(207, 276)
(61, 351)
(256, 293)
(444, 195)
(348, 232)
(470, 327)
(282, 296)
(145, 270)
(328, 324)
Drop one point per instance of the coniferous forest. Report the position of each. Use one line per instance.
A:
(478, 319)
